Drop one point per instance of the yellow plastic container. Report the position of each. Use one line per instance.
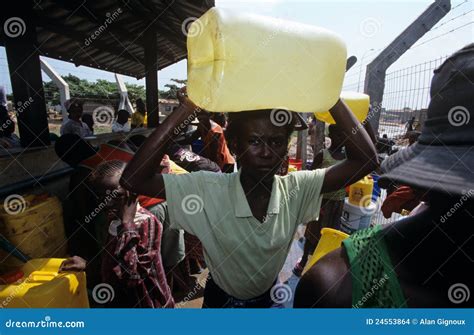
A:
(357, 102)
(34, 224)
(330, 240)
(240, 62)
(42, 286)
(360, 193)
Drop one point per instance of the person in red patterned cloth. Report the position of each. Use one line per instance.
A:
(132, 263)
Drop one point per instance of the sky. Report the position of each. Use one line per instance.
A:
(366, 27)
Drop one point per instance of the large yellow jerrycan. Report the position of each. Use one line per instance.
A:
(360, 193)
(330, 240)
(357, 102)
(33, 224)
(239, 62)
(43, 286)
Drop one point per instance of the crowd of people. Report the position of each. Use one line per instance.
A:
(146, 213)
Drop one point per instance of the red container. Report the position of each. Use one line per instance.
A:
(297, 163)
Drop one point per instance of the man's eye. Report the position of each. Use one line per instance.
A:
(277, 142)
(255, 141)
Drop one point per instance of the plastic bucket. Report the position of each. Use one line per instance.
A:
(330, 240)
(297, 163)
(355, 217)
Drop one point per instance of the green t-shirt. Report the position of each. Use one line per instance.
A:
(243, 254)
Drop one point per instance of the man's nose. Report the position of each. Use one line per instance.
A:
(266, 151)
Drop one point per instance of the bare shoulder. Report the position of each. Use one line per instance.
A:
(327, 284)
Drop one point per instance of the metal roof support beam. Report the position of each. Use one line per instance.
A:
(124, 99)
(151, 77)
(25, 73)
(60, 84)
(376, 70)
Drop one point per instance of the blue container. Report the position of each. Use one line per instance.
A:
(376, 191)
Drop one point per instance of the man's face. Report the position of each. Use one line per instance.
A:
(261, 147)
(75, 113)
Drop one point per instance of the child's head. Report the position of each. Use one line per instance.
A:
(75, 109)
(105, 183)
(122, 116)
(260, 139)
(141, 107)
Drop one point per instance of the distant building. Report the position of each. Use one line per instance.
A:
(166, 106)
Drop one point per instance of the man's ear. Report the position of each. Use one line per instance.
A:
(232, 145)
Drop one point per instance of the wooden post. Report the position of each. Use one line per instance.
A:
(25, 73)
(376, 70)
(151, 77)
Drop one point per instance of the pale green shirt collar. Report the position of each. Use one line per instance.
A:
(242, 208)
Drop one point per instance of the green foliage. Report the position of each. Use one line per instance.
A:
(103, 89)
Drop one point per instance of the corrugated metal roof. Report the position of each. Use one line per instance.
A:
(65, 30)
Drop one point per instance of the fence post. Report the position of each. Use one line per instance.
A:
(376, 70)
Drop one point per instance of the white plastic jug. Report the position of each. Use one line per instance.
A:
(239, 62)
